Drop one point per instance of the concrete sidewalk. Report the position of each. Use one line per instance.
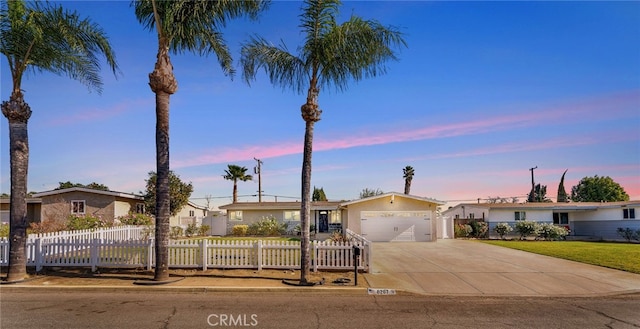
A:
(463, 267)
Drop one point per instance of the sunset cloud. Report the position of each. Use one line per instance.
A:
(612, 106)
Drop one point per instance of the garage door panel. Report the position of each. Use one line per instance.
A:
(396, 228)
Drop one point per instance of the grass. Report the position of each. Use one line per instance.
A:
(619, 256)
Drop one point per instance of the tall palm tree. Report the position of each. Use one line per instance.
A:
(41, 37)
(236, 173)
(182, 25)
(332, 55)
(408, 177)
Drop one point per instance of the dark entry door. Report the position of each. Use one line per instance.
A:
(323, 222)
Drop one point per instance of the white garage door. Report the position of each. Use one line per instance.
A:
(396, 225)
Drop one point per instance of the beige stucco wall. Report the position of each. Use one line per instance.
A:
(352, 218)
(102, 206)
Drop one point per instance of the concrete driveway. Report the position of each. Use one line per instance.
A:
(462, 267)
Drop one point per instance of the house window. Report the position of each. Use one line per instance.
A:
(293, 215)
(235, 215)
(139, 208)
(561, 218)
(520, 215)
(629, 213)
(457, 216)
(77, 207)
(192, 213)
(472, 216)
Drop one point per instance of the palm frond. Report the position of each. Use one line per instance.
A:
(283, 68)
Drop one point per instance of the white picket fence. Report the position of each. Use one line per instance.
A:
(132, 250)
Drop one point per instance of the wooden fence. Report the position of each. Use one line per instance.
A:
(87, 250)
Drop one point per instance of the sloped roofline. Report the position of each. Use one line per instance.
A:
(395, 194)
(89, 190)
(550, 205)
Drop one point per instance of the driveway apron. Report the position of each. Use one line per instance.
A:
(464, 267)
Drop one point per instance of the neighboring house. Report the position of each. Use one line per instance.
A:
(325, 215)
(189, 214)
(33, 209)
(387, 217)
(594, 219)
(106, 205)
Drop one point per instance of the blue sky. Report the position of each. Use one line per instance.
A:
(484, 91)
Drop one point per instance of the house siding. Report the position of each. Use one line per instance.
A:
(604, 229)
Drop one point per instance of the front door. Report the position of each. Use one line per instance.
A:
(323, 224)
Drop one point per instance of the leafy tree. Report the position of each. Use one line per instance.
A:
(598, 189)
(539, 194)
(332, 55)
(179, 193)
(181, 26)
(41, 37)
(562, 193)
(236, 173)
(408, 173)
(94, 186)
(318, 194)
(368, 192)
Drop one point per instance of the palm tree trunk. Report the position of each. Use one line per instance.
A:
(310, 115)
(163, 84)
(235, 191)
(18, 114)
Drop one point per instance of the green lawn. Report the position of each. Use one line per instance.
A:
(620, 256)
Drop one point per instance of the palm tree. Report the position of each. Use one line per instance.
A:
(236, 173)
(332, 55)
(182, 25)
(408, 177)
(41, 37)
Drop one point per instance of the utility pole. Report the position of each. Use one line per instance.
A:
(257, 170)
(533, 185)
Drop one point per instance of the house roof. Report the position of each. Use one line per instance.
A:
(88, 190)
(315, 205)
(394, 194)
(29, 200)
(568, 206)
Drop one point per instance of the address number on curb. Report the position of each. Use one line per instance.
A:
(373, 291)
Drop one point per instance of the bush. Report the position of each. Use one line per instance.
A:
(240, 230)
(267, 226)
(176, 232)
(47, 226)
(548, 231)
(135, 219)
(86, 222)
(462, 230)
(203, 230)
(628, 234)
(503, 229)
(336, 236)
(4, 230)
(526, 228)
(191, 230)
(479, 229)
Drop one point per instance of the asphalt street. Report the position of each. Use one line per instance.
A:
(99, 309)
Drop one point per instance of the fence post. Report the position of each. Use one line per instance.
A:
(37, 250)
(204, 245)
(94, 252)
(259, 253)
(150, 246)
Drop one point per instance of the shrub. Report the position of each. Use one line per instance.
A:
(203, 230)
(4, 230)
(136, 219)
(75, 222)
(240, 230)
(526, 228)
(176, 232)
(548, 231)
(336, 236)
(462, 230)
(503, 229)
(191, 230)
(47, 226)
(479, 229)
(628, 234)
(267, 226)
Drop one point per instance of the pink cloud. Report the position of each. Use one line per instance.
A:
(611, 106)
(98, 114)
